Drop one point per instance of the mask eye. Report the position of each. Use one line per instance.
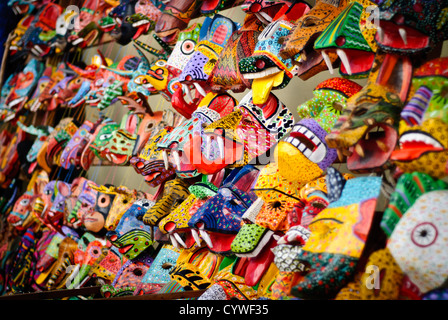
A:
(424, 234)
(187, 46)
(105, 136)
(24, 202)
(103, 201)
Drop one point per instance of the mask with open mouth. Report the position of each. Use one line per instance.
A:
(150, 162)
(107, 266)
(329, 101)
(366, 132)
(164, 73)
(176, 223)
(304, 155)
(40, 86)
(226, 75)
(217, 31)
(246, 134)
(212, 108)
(131, 236)
(422, 143)
(265, 10)
(145, 17)
(267, 70)
(351, 36)
(338, 237)
(21, 210)
(55, 215)
(410, 27)
(24, 24)
(102, 134)
(218, 220)
(299, 44)
(25, 85)
(175, 18)
(174, 193)
(86, 27)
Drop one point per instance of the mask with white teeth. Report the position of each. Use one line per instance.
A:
(423, 130)
(299, 43)
(351, 36)
(304, 155)
(212, 108)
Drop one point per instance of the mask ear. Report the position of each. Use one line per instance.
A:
(63, 188)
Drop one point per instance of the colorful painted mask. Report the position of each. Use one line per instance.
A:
(306, 151)
(410, 186)
(55, 214)
(94, 220)
(150, 163)
(86, 30)
(423, 128)
(247, 133)
(71, 155)
(218, 220)
(164, 263)
(10, 164)
(41, 133)
(145, 17)
(102, 135)
(409, 27)
(176, 223)
(351, 36)
(175, 18)
(107, 265)
(330, 99)
(212, 108)
(207, 51)
(226, 74)
(63, 132)
(211, 7)
(417, 240)
(366, 132)
(174, 193)
(123, 200)
(59, 274)
(192, 274)
(26, 84)
(124, 30)
(299, 44)
(344, 225)
(128, 277)
(21, 210)
(131, 236)
(267, 70)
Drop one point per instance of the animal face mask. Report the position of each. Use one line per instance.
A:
(131, 236)
(351, 36)
(338, 237)
(424, 126)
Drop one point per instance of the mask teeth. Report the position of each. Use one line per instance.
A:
(221, 146)
(328, 62)
(200, 89)
(179, 240)
(403, 36)
(186, 90)
(165, 159)
(344, 59)
(206, 238)
(174, 242)
(380, 33)
(177, 159)
(195, 235)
